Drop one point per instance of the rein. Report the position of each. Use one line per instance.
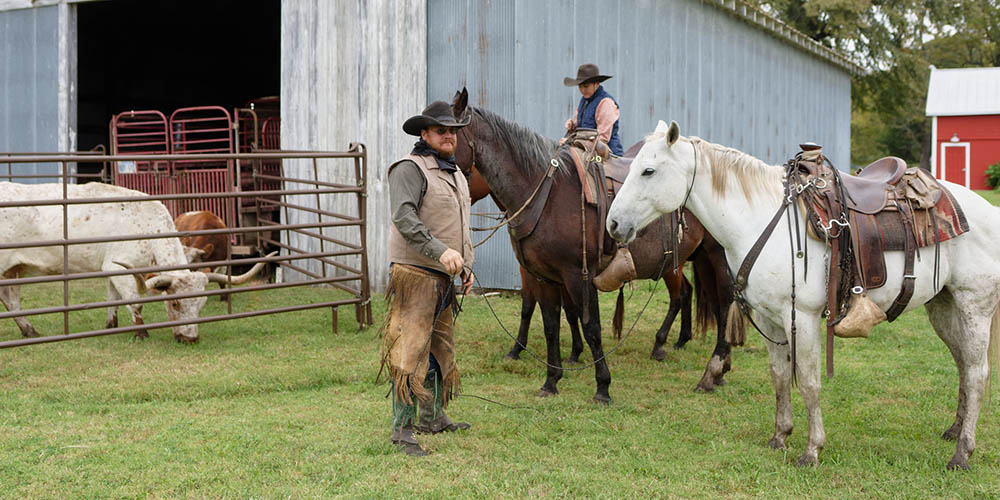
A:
(741, 278)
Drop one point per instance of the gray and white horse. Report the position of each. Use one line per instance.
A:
(735, 195)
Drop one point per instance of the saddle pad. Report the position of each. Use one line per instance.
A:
(585, 175)
(950, 220)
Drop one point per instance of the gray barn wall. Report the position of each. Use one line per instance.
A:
(352, 71)
(719, 77)
(34, 84)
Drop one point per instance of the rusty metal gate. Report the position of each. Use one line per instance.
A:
(340, 263)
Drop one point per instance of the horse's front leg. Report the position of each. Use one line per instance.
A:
(592, 333)
(808, 353)
(573, 320)
(779, 355)
(549, 301)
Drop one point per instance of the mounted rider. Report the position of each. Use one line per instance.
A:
(594, 129)
(429, 245)
(597, 109)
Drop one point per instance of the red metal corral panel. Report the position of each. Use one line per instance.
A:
(270, 132)
(982, 133)
(205, 180)
(142, 133)
(203, 129)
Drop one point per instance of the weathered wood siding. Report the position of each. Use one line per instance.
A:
(722, 72)
(352, 71)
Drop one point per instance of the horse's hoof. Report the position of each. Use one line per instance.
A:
(602, 399)
(680, 344)
(31, 333)
(776, 444)
(957, 464)
(186, 340)
(720, 381)
(659, 354)
(513, 356)
(141, 335)
(544, 393)
(952, 433)
(807, 460)
(573, 360)
(705, 386)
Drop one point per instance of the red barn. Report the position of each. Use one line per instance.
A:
(964, 106)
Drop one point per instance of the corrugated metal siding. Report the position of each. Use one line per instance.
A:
(351, 71)
(29, 85)
(717, 76)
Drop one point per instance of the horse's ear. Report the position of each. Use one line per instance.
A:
(673, 133)
(460, 103)
(661, 127)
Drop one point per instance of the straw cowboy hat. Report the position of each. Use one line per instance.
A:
(585, 74)
(438, 113)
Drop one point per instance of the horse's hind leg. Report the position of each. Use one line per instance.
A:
(677, 285)
(715, 291)
(527, 311)
(685, 296)
(11, 298)
(962, 326)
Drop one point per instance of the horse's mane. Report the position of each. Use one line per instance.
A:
(725, 163)
(532, 151)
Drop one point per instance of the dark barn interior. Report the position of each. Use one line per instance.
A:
(163, 55)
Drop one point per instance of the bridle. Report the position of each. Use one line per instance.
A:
(553, 165)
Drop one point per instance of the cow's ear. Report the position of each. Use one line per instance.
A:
(193, 254)
(208, 249)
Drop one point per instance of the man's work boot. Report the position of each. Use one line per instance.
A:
(432, 417)
(406, 442)
(403, 416)
(619, 270)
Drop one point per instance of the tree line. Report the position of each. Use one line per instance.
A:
(895, 42)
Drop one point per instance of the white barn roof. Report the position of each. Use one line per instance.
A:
(966, 91)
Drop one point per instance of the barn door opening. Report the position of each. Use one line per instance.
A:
(162, 56)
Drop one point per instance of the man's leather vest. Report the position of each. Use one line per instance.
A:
(444, 210)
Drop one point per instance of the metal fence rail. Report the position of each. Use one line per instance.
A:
(338, 262)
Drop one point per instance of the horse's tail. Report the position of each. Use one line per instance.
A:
(619, 317)
(707, 295)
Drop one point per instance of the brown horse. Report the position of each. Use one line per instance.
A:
(677, 285)
(514, 161)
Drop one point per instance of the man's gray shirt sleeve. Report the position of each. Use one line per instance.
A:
(407, 186)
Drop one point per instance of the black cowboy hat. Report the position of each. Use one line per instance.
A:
(585, 74)
(438, 113)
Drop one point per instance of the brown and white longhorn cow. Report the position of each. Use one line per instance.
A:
(203, 247)
(45, 223)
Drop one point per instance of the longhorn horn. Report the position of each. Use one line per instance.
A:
(241, 279)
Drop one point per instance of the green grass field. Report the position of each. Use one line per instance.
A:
(281, 407)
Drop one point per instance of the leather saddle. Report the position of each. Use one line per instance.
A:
(887, 207)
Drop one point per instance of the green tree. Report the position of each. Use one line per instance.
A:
(896, 41)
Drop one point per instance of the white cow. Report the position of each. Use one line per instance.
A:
(42, 223)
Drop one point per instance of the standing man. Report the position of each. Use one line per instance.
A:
(597, 109)
(429, 245)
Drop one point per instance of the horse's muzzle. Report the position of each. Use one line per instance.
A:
(620, 232)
